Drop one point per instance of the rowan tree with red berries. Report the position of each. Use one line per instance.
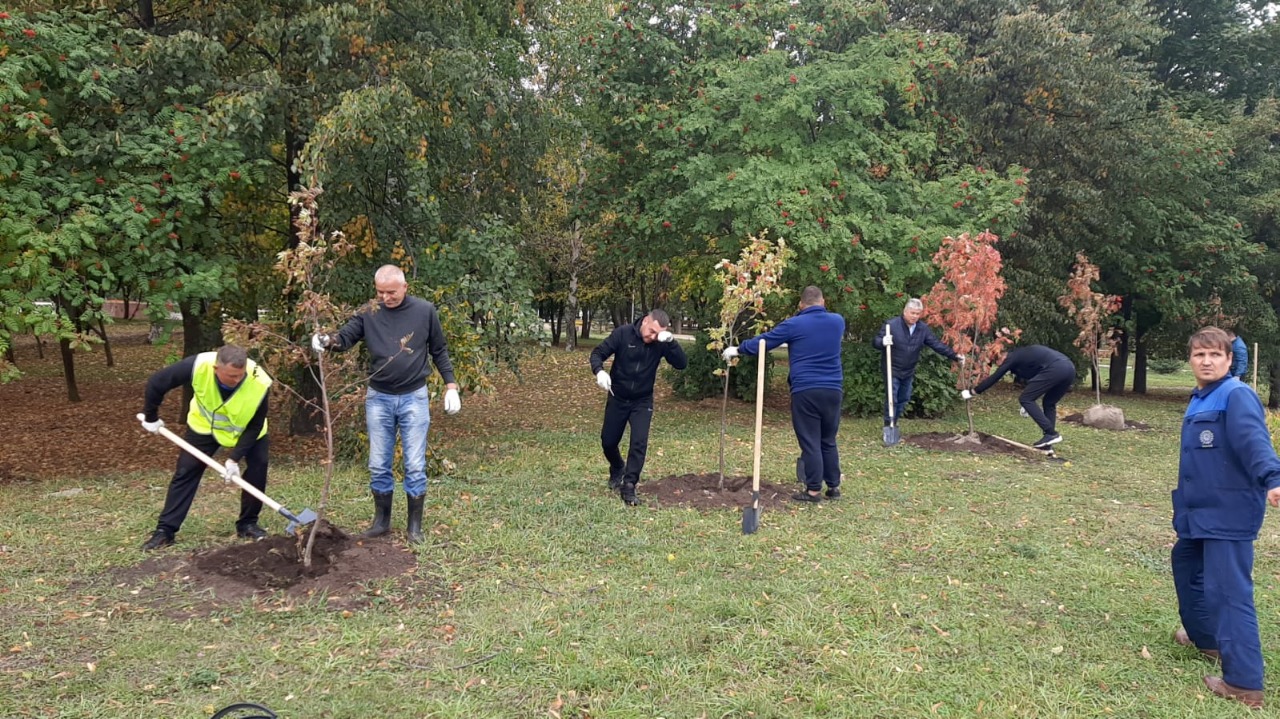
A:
(965, 303)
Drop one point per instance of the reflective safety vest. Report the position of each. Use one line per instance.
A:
(225, 419)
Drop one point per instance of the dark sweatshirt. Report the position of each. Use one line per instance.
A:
(1025, 363)
(391, 370)
(179, 374)
(635, 364)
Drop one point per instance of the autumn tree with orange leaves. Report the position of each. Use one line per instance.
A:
(1090, 310)
(965, 302)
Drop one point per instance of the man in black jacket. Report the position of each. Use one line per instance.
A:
(637, 349)
(908, 337)
(1048, 373)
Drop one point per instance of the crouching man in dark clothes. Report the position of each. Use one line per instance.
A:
(1227, 473)
(1048, 373)
(228, 409)
(637, 349)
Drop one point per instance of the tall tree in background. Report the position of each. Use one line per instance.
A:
(816, 122)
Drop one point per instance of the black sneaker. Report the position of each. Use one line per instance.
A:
(615, 479)
(833, 493)
(159, 539)
(251, 531)
(628, 493)
(804, 496)
(1048, 441)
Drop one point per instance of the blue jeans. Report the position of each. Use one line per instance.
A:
(901, 398)
(410, 414)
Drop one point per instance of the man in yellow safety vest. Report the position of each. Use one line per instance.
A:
(228, 409)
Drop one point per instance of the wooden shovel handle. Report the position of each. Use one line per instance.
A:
(755, 470)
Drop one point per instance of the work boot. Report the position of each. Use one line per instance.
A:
(158, 540)
(628, 493)
(251, 531)
(415, 519)
(1251, 698)
(381, 516)
(615, 478)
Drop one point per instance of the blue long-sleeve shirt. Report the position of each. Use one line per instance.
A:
(813, 336)
(1239, 357)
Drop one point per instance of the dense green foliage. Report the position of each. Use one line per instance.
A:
(932, 393)
(579, 159)
(699, 381)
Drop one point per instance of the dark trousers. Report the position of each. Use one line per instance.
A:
(1214, 581)
(815, 416)
(1052, 383)
(186, 480)
(618, 413)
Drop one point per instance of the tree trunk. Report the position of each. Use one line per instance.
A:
(101, 331)
(9, 356)
(1120, 360)
(194, 339)
(571, 296)
(555, 318)
(1140, 364)
(39, 344)
(1273, 378)
(69, 369)
(586, 323)
(146, 14)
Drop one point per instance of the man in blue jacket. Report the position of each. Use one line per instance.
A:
(1227, 473)
(908, 336)
(813, 337)
(636, 349)
(1239, 355)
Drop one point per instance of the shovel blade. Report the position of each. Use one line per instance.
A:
(892, 435)
(304, 518)
(751, 515)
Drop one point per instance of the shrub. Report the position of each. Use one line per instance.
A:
(698, 381)
(1165, 366)
(933, 393)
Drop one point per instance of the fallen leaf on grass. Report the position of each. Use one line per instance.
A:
(1145, 654)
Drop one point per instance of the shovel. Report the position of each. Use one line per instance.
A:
(296, 521)
(751, 515)
(892, 435)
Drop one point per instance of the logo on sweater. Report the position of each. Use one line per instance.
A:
(1206, 438)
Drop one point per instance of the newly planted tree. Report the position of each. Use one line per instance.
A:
(965, 303)
(747, 283)
(1090, 310)
(305, 269)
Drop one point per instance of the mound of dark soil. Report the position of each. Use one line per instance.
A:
(341, 568)
(1078, 418)
(951, 442)
(701, 491)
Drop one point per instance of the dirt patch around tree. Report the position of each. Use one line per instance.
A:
(343, 573)
(951, 442)
(702, 492)
(1078, 418)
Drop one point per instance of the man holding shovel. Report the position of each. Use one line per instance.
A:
(908, 337)
(399, 334)
(228, 409)
(813, 337)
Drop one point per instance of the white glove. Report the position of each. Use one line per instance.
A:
(1023, 411)
(729, 353)
(665, 336)
(151, 427)
(232, 471)
(888, 340)
(604, 380)
(319, 342)
(966, 394)
(452, 402)
(961, 358)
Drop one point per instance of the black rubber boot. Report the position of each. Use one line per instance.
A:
(415, 519)
(615, 478)
(381, 516)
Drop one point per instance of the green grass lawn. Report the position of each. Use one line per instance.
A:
(941, 585)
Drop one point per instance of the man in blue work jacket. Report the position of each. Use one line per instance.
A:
(1227, 473)
(813, 337)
